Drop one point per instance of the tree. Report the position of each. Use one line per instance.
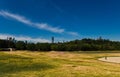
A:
(20, 45)
(43, 47)
(30, 46)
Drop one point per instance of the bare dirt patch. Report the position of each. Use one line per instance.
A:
(110, 59)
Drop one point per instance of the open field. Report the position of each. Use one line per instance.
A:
(56, 64)
(110, 59)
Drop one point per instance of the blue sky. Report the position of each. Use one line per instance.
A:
(39, 20)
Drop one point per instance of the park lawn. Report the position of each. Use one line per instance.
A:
(56, 64)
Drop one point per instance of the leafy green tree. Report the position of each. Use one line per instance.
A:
(43, 47)
(20, 45)
(58, 47)
(30, 46)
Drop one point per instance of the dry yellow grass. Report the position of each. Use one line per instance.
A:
(57, 64)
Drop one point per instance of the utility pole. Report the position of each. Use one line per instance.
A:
(100, 38)
(52, 40)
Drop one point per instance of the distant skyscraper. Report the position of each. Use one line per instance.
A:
(52, 39)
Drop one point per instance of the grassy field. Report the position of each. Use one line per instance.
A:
(56, 64)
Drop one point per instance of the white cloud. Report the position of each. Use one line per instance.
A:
(43, 26)
(73, 33)
(16, 17)
(24, 20)
(49, 28)
(24, 38)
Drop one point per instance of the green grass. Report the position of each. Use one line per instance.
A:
(56, 64)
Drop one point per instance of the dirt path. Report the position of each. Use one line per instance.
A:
(110, 59)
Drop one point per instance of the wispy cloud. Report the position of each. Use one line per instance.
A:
(49, 28)
(24, 20)
(56, 6)
(28, 22)
(24, 38)
(73, 33)
(16, 17)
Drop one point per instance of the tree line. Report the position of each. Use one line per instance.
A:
(85, 44)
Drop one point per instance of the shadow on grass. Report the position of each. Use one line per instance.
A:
(4, 56)
(12, 64)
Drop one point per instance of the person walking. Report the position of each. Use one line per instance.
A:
(105, 57)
